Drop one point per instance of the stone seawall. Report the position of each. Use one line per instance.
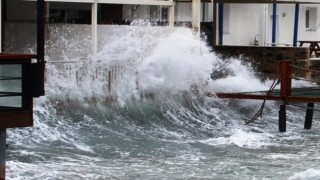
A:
(266, 58)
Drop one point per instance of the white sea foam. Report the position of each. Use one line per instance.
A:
(310, 174)
(242, 138)
(160, 60)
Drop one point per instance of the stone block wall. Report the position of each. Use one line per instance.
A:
(266, 58)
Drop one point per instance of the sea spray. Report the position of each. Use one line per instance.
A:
(160, 125)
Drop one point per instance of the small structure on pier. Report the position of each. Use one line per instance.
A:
(21, 80)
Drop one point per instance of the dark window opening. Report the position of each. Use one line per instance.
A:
(307, 18)
(74, 13)
(111, 14)
(70, 16)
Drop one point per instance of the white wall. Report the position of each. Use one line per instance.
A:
(183, 11)
(243, 25)
(304, 33)
(246, 21)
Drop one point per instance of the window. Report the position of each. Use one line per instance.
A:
(226, 18)
(307, 18)
(311, 18)
(10, 86)
(75, 13)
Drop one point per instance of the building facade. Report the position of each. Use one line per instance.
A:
(244, 24)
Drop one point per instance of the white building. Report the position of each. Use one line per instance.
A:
(245, 22)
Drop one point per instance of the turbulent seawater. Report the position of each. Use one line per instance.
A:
(159, 124)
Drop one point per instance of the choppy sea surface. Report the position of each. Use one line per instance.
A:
(155, 122)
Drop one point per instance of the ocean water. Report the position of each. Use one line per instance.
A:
(156, 122)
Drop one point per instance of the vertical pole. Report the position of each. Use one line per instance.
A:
(285, 83)
(39, 68)
(274, 24)
(3, 153)
(94, 27)
(203, 11)
(285, 91)
(282, 118)
(309, 116)
(40, 29)
(214, 23)
(196, 15)
(221, 8)
(109, 81)
(171, 16)
(296, 27)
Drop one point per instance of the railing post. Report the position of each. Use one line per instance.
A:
(285, 86)
(285, 91)
(109, 81)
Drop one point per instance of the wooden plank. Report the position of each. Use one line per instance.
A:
(248, 96)
(20, 57)
(267, 97)
(12, 119)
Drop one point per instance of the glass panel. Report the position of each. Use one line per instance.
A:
(13, 101)
(10, 70)
(10, 82)
(8, 78)
(307, 18)
(11, 85)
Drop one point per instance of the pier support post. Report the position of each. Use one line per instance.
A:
(285, 91)
(3, 153)
(285, 81)
(309, 116)
(282, 118)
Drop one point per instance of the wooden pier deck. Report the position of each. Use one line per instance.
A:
(286, 94)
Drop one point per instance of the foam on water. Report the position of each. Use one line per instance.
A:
(242, 138)
(158, 123)
(310, 174)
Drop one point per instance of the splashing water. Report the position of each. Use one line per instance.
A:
(155, 122)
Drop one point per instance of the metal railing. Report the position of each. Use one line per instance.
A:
(109, 75)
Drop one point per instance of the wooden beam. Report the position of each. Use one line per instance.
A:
(296, 99)
(12, 119)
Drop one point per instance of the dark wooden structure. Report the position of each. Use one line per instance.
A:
(21, 80)
(16, 90)
(313, 46)
(286, 95)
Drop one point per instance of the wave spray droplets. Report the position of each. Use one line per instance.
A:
(160, 125)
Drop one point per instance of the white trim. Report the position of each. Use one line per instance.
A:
(142, 2)
(94, 27)
(171, 17)
(196, 15)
